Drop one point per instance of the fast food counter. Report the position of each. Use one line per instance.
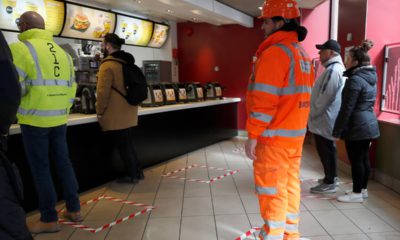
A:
(162, 134)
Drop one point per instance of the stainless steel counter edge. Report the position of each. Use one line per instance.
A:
(76, 118)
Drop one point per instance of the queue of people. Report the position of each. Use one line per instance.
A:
(282, 100)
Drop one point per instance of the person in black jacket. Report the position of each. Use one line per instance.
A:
(12, 216)
(356, 122)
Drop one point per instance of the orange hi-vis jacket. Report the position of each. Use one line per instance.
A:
(278, 97)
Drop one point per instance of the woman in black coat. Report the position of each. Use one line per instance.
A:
(356, 122)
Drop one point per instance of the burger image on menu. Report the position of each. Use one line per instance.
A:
(81, 22)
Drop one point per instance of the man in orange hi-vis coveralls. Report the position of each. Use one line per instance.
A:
(278, 104)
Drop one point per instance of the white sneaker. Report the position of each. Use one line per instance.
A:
(351, 198)
(364, 193)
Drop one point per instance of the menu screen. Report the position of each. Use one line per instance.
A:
(160, 35)
(87, 23)
(134, 31)
(52, 12)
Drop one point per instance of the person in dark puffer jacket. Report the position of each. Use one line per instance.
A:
(356, 122)
(12, 216)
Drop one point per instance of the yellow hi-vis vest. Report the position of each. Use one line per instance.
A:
(46, 75)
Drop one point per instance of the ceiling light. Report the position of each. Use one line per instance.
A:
(260, 8)
(194, 19)
(170, 11)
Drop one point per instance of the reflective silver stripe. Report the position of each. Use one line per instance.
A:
(35, 58)
(284, 133)
(71, 67)
(21, 72)
(266, 190)
(261, 116)
(305, 66)
(292, 216)
(269, 237)
(24, 90)
(48, 82)
(292, 228)
(279, 91)
(292, 63)
(275, 224)
(42, 113)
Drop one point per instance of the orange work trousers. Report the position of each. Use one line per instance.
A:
(276, 173)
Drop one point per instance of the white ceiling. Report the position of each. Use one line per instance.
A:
(209, 11)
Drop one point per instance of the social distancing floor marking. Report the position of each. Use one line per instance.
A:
(228, 173)
(248, 233)
(147, 208)
(238, 150)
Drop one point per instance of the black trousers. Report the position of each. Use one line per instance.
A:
(122, 152)
(360, 168)
(327, 154)
(12, 215)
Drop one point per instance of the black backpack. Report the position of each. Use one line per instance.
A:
(135, 83)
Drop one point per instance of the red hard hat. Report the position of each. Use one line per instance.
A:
(280, 8)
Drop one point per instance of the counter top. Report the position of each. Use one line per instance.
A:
(77, 118)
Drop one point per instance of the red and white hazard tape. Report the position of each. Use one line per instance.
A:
(229, 172)
(248, 233)
(148, 208)
(238, 150)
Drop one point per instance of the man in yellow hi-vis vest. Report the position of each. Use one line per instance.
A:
(46, 75)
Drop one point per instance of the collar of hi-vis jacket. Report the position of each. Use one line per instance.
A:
(275, 38)
(35, 34)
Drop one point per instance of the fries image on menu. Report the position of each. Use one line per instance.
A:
(124, 25)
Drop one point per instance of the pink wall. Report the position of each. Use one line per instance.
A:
(317, 23)
(383, 28)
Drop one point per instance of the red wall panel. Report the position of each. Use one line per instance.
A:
(382, 28)
(203, 46)
(317, 23)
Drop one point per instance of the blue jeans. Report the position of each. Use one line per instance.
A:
(39, 143)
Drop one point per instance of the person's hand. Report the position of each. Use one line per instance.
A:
(250, 148)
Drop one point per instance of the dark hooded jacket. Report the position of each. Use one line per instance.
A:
(356, 119)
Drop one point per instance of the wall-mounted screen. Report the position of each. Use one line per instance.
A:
(160, 35)
(134, 31)
(52, 11)
(87, 23)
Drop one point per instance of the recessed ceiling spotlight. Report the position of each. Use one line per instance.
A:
(260, 8)
(170, 11)
(194, 19)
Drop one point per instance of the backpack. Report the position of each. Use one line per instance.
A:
(135, 84)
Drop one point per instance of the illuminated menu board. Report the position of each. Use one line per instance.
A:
(52, 12)
(87, 23)
(134, 31)
(160, 35)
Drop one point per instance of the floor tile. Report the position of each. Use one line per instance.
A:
(334, 222)
(227, 205)
(197, 206)
(367, 221)
(162, 228)
(167, 207)
(198, 228)
(231, 226)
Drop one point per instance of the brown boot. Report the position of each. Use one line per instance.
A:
(44, 227)
(73, 216)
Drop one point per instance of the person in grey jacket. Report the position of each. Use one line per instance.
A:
(325, 105)
(356, 122)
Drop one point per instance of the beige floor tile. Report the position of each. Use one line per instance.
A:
(132, 229)
(367, 221)
(171, 188)
(384, 236)
(198, 206)
(167, 207)
(350, 237)
(390, 215)
(309, 226)
(334, 222)
(198, 228)
(197, 173)
(255, 219)
(64, 234)
(224, 187)
(321, 238)
(375, 201)
(104, 210)
(195, 189)
(250, 203)
(342, 206)
(227, 205)
(231, 226)
(313, 204)
(162, 228)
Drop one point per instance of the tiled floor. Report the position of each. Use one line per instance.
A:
(227, 208)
